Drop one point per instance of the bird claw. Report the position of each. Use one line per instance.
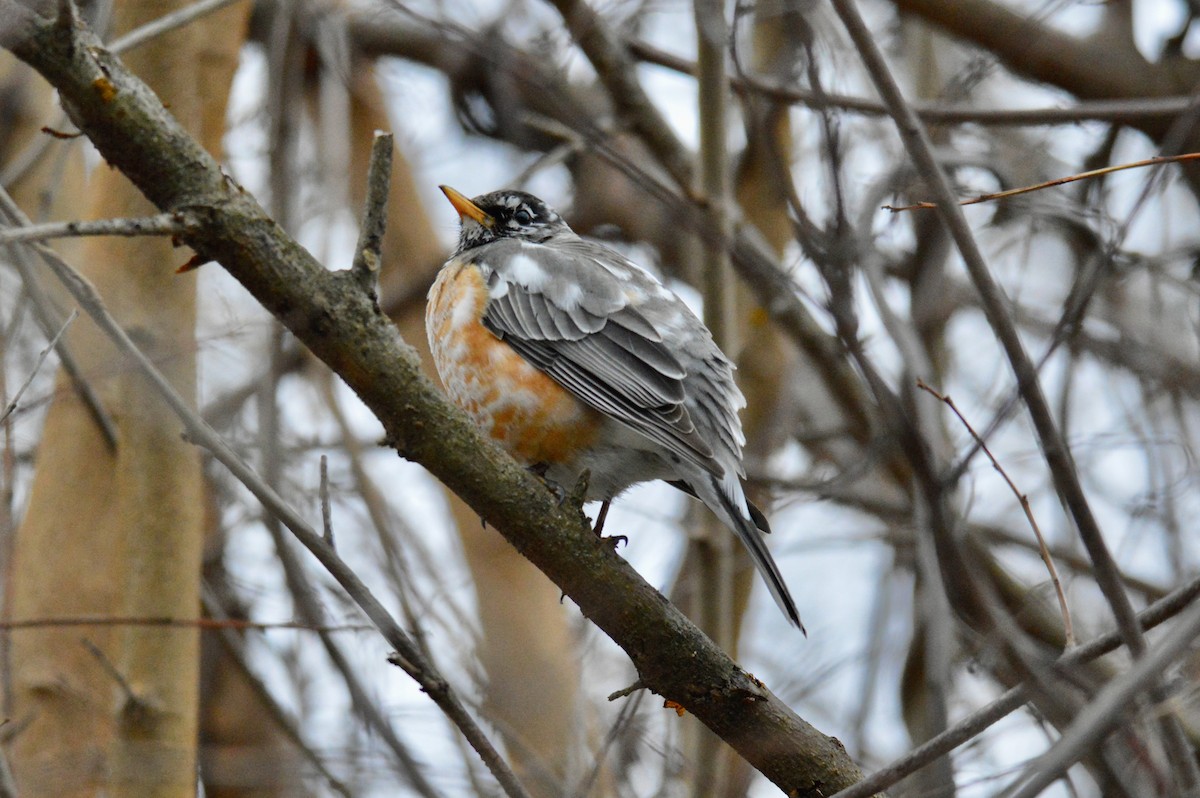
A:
(613, 540)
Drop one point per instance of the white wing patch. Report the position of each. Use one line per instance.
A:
(570, 296)
(526, 271)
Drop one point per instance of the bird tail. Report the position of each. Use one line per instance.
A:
(726, 498)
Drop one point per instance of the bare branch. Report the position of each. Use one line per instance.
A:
(1054, 447)
(1105, 709)
(1061, 181)
(132, 699)
(1122, 110)
(47, 317)
(207, 624)
(367, 257)
(67, 13)
(1023, 500)
(236, 650)
(12, 406)
(167, 23)
(326, 508)
(618, 73)
(1040, 51)
(162, 224)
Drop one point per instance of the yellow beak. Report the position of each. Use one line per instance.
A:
(467, 209)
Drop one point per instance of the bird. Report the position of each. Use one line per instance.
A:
(575, 359)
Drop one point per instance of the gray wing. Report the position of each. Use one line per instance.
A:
(613, 336)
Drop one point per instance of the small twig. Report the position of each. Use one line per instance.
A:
(12, 406)
(67, 14)
(398, 541)
(167, 23)
(1023, 500)
(157, 225)
(47, 318)
(326, 509)
(367, 254)
(572, 144)
(619, 727)
(1061, 181)
(61, 135)
(132, 698)
(626, 691)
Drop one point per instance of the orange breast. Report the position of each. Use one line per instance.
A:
(532, 416)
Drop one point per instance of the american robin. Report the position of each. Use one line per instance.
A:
(574, 358)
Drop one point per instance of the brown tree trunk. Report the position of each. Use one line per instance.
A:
(117, 530)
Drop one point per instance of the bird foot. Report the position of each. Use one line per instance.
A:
(611, 540)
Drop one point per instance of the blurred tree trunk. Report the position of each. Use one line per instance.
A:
(117, 530)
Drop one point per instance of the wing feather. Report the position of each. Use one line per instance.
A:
(609, 333)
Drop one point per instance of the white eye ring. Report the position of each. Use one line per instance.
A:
(523, 216)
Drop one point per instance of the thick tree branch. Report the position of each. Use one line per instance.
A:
(1041, 52)
(331, 314)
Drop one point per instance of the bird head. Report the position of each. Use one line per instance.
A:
(503, 214)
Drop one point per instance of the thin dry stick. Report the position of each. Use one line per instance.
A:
(1061, 181)
(618, 72)
(391, 531)
(167, 23)
(113, 671)
(12, 406)
(46, 314)
(367, 257)
(1023, 500)
(159, 224)
(326, 509)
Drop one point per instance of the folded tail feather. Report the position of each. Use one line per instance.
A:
(749, 523)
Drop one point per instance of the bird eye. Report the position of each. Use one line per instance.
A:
(523, 216)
